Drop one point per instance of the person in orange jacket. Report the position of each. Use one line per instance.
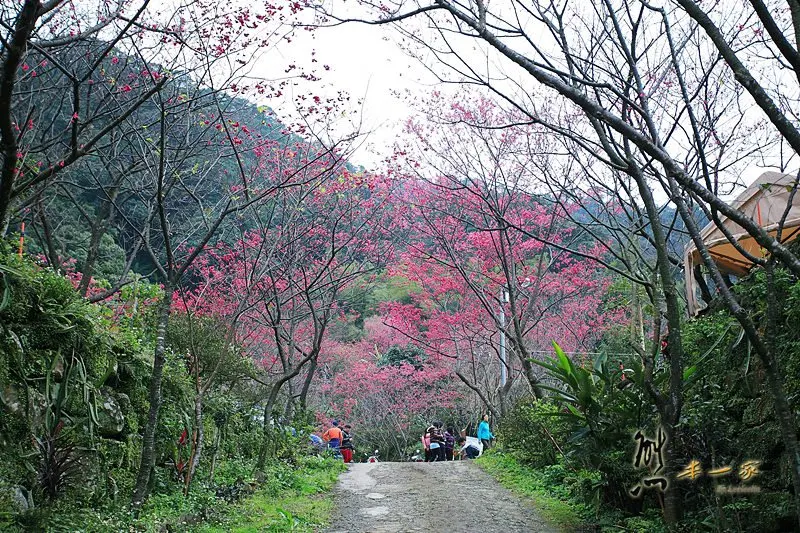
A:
(333, 436)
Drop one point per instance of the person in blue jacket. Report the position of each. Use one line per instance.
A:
(484, 433)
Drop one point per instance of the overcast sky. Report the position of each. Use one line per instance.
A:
(369, 65)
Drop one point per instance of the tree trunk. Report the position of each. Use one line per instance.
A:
(701, 282)
(527, 367)
(272, 399)
(312, 367)
(197, 442)
(49, 239)
(669, 408)
(99, 229)
(532, 378)
(148, 456)
(673, 498)
(267, 427)
(288, 411)
(14, 52)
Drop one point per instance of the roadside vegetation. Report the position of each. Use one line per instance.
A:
(76, 383)
(574, 452)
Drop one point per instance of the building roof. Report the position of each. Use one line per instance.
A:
(764, 201)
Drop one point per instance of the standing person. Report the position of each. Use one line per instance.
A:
(449, 443)
(437, 441)
(347, 444)
(333, 436)
(426, 443)
(484, 433)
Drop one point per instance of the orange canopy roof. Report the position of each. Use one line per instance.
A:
(765, 202)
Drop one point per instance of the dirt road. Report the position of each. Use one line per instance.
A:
(429, 497)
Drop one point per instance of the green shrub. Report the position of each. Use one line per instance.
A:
(533, 432)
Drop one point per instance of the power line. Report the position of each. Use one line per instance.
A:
(579, 353)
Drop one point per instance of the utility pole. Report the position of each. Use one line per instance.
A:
(502, 321)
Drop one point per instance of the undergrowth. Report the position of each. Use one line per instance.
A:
(290, 498)
(557, 496)
(306, 506)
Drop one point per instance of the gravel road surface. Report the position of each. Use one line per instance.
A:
(443, 497)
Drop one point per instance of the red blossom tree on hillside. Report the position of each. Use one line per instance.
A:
(129, 104)
(283, 282)
(481, 238)
(461, 269)
(386, 403)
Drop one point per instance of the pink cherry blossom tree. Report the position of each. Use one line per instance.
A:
(283, 281)
(483, 237)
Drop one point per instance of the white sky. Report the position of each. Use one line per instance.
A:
(369, 65)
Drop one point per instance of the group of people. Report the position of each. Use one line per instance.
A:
(338, 439)
(443, 445)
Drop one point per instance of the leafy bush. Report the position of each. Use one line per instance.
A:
(400, 355)
(533, 432)
(727, 417)
(602, 410)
